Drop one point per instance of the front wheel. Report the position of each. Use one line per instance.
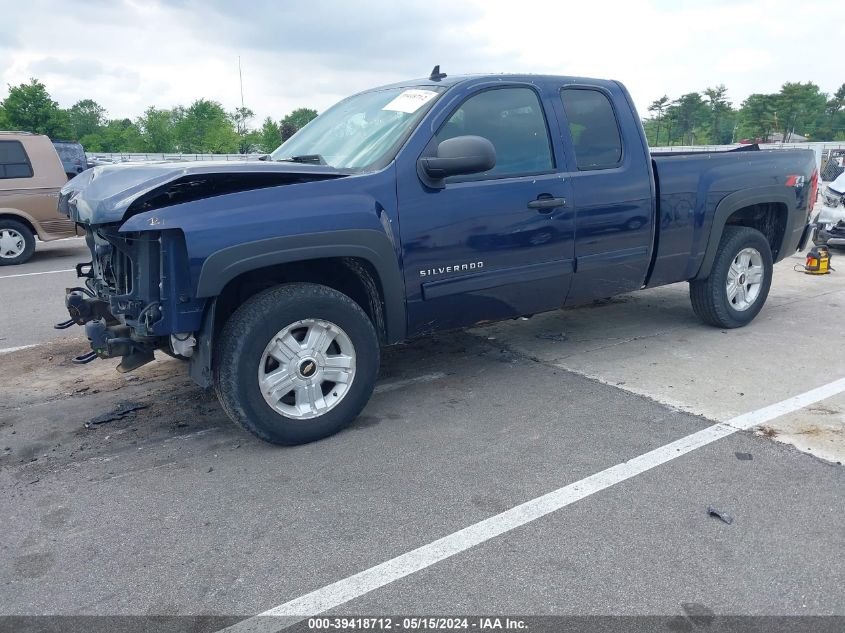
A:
(296, 363)
(739, 281)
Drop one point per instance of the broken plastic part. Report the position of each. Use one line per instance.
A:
(120, 411)
(724, 516)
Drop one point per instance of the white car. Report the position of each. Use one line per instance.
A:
(830, 221)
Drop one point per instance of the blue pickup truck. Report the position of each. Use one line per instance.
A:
(421, 206)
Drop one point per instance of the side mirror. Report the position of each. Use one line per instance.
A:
(459, 156)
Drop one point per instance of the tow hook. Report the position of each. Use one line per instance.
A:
(84, 359)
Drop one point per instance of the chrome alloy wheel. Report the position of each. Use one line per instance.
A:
(745, 279)
(306, 369)
(12, 243)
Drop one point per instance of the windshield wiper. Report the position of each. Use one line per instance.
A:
(311, 159)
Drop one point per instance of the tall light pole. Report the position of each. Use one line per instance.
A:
(241, 78)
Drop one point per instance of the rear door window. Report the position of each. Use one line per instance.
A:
(14, 163)
(593, 128)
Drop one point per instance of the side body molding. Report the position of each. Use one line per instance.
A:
(758, 195)
(371, 245)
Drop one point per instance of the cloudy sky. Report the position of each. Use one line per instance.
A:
(129, 54)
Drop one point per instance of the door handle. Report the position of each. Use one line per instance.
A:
(544, 205)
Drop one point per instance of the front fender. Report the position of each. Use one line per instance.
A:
(224, 265)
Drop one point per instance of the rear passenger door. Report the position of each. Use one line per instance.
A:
(609, 170)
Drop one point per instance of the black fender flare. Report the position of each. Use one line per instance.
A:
(778, 194)
(371, 245)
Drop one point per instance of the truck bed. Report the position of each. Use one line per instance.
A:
(690, 186)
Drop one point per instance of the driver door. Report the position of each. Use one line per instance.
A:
(494, 245)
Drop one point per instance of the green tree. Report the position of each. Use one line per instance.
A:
(118, 135)
(658, 107)
(4, 121)
(687, 115)
(719, 111)
(299, 118)
(271, 135)
(835, 121)
(757, 116)
(800, 108)
(29, 107)
(246, 139)
(158, 130)
(287, 129)
(86, 117)
(205, 127)
(837, 102)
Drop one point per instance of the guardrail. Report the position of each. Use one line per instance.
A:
(121, 157)
(829, 154)
(819, 146)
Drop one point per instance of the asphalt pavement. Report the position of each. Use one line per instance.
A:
(173, 510)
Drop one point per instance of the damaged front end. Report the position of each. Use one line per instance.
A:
(138, 295)
(830, 220)
(120, 304)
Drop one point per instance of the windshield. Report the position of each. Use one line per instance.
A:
(361, 131)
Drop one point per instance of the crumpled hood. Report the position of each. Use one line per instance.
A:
(105, 193)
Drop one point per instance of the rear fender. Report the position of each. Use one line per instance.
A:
(777, 194)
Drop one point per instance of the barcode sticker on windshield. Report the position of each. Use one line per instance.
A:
(410, 101)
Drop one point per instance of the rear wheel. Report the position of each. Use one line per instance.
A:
(296, 363)
(739, 281)
(17, 243)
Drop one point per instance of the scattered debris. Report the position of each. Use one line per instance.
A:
(713, 512)
(767, 431)
(120, 411)
(744, 457)
(560, 338)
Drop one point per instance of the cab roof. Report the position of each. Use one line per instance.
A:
(453, 80)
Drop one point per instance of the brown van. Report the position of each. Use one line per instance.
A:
(31, 175)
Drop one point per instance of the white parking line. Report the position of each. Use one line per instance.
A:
(9, 350)
(357, 585)
(46, 272)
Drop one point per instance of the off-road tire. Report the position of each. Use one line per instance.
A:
(29, 242)
(709, 297)
(241, 344)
